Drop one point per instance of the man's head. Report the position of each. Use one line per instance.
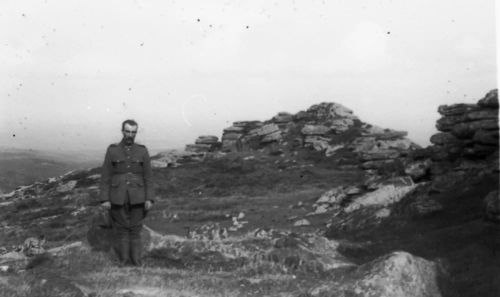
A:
(129, 131)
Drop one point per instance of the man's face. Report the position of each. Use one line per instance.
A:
(129, 133)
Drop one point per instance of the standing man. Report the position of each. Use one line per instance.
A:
(127, 191)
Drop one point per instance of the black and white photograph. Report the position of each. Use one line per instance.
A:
(220, 148)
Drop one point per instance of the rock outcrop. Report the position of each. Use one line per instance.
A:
(204, 144)
(394, 275)
(467, 130)
(328, 128)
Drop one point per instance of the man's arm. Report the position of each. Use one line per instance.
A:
(148, 177)
(106, 171)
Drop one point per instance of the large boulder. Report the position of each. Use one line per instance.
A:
(272, 137)
(446, 123)
(206, 139)
(483, 114)
(264, 130)
(282, 117)
(375, 182)
(383, 196)
(467, 130)
(490, 100)
(248, 125)
(341, 125)
(456, 109)
(486, 137)
(328, 111)
(444, 138)
(394, 275)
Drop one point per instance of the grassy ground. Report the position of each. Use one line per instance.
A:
(272, 191)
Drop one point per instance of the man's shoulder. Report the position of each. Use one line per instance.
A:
(140, 145)
(113, 146)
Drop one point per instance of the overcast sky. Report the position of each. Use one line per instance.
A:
(71, 71)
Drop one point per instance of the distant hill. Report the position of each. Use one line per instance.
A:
(23, 166)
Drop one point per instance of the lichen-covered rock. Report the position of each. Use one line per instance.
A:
(397, 274)
(383, 196)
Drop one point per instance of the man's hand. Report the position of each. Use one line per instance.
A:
(106, 205)
(148, 204)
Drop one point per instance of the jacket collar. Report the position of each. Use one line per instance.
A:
(122, 144)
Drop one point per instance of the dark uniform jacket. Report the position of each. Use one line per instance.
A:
(126, 174)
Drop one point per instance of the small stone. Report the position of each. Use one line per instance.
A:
(301, 223)
(241, 215)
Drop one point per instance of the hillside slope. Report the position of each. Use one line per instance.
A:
(360, 211)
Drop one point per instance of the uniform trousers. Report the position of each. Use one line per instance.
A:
(127, 220)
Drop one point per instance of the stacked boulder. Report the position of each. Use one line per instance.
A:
(204, 144)
(321, 121)
(467, 130)
(284, 120)
(246, 135)
(378, 148)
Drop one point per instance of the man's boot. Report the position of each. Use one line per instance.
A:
(136, 252)
(123, 251)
